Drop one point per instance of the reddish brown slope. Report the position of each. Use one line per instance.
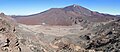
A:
(69, 15)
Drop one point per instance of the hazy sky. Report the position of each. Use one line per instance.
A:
(27, 7)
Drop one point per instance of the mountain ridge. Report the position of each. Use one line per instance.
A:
(63, 16)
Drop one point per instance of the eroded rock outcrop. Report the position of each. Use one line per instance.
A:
(106, 38)
(8, 39)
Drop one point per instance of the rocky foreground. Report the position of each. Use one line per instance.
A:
(102, 37)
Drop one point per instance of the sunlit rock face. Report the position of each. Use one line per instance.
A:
(8, 39)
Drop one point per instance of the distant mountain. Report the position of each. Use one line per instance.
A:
(118, 15)
(69, 15)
